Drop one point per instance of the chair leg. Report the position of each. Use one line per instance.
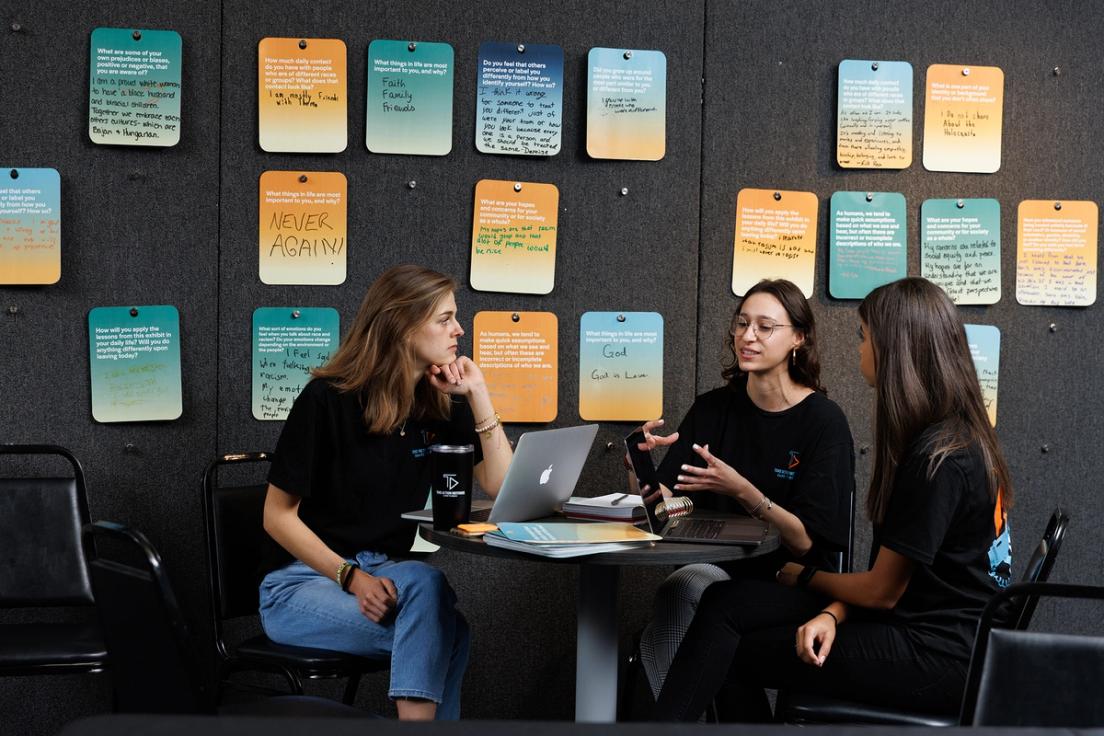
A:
(351, 686)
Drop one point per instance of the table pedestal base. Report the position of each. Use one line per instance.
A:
(596, 647)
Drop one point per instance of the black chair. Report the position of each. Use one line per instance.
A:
(234, 520)
(1012, 610)
(152, 661)
(41, 566)
(1027, 678)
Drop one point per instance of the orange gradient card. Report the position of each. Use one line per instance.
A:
(962, 118)
(775, 238)
(514, 237)
(1056, 247)
(302, 102)
(620, 366)
(303, 227)
(518, 353)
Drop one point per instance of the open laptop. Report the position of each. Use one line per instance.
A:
(541, 476)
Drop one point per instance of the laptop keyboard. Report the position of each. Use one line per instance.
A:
(701, 528)
(480, 514)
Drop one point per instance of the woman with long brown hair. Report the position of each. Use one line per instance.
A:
(354, 456)
(768, 442)
(899, 634)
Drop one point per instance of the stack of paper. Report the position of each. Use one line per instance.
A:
(611, 507)
(567, 539)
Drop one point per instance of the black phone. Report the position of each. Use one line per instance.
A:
(642, 462)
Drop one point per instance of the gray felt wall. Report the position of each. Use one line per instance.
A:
(178, 226)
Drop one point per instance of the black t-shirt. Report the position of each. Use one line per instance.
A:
(801, 458)
(355, 484)
(959, 539)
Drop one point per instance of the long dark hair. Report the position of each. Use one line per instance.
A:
(376, 356)
(924, 376)
(804, 368)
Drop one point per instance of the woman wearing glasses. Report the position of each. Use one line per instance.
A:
(769, 443)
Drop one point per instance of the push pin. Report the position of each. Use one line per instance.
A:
(966, 72)
(134, 176)
(302, 178)
(411, 46)
(628, 55)
(134, 311)
(960, 204)
(14, 174)
(411, 184)
(874, 66)
(1057, 205)
(870, 196)
(302, 43)
(13, 310)
(130, 447)
(624, 191)
(778, 196)
(1053, 327)
(517, 186)
(515, 317)
(137, 35)
(1045, 449)
(609, 447)
(620, 318)
(16, 27)
(295, 314)
(521, 48)
(1056, 71)
(864, 449)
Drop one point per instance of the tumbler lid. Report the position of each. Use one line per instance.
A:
(453, 449)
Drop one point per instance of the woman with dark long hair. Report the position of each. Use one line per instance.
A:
(899, 634)
(768, 443)
(354, 456)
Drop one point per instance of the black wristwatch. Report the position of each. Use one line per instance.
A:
(806, 575)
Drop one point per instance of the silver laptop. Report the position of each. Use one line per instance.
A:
(541, 476)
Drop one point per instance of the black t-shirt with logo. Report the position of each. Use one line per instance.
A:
(802, 458)
(959, 539)
(355, 484)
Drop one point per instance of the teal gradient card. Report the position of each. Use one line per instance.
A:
(134, 87)
(134, 357)
(626, 104)
(620, 366)
(866, 243)
(874, 115)
(960, 248)
(519, 105)
(30, 226)
(409, 97)
(985, 350)
(287, 343)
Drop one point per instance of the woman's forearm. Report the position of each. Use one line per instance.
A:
(496, 447)
(282, 522)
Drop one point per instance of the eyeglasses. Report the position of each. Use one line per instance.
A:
(763, 328)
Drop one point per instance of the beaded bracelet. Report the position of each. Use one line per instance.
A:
(488, 428)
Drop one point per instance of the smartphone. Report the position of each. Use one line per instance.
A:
(642, 461)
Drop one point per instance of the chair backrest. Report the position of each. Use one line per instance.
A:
(1021, 678)
(234, 520)
(149, 652)
(1040, 564)
(41, 563)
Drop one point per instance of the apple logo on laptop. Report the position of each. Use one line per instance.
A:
(544, 475)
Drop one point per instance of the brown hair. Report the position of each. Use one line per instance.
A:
(924, 376)
(376, 355)
(805, 367)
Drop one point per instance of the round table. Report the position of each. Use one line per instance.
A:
(596, 603)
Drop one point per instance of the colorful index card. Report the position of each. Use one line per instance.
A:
(288, 342)
(30, 226)
(1056, 253)
(775, 239)
(134, 358)
(874, 115)
(963, 115)
(303, 227)
(409, 97)
(519, 109)
(620, 366)
(134, 87)
(626, 104)
(867, 242)
(514, 237)
(984, 343)
(960, 248)
(518, 353)
(302, 101)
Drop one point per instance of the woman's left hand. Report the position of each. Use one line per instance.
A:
(717, 476)
(460, 377)
(787, 575)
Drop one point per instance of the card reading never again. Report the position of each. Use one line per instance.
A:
(518, 353)
(775, 239)
(30, 227)
(620, 366)
(303, 227)
(302, 100)
(513, 247)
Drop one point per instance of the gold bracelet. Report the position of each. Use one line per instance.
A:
(342, 572)
(484, 421)
(486, 430)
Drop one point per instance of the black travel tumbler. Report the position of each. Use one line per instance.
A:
(452, 485)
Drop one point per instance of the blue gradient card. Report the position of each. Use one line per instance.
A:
(866, 243)
(287, 343)
(30, 226)
(626, 104)
(985, 350)
(620, 366)
(519, 109)
(874, 115)
(134, 358)
(134, 87)
(960, 248)
(409, 97)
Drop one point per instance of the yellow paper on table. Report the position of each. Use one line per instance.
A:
(518, 354)
(302, 100)
(1056, 247)
(303, 232)
(514, 237)
(963, 110)
(775, 239)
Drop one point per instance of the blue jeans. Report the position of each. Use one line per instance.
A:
(426, 637)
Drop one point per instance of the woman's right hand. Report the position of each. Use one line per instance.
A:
(651, 441)
(819, 630)
(377, 596)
